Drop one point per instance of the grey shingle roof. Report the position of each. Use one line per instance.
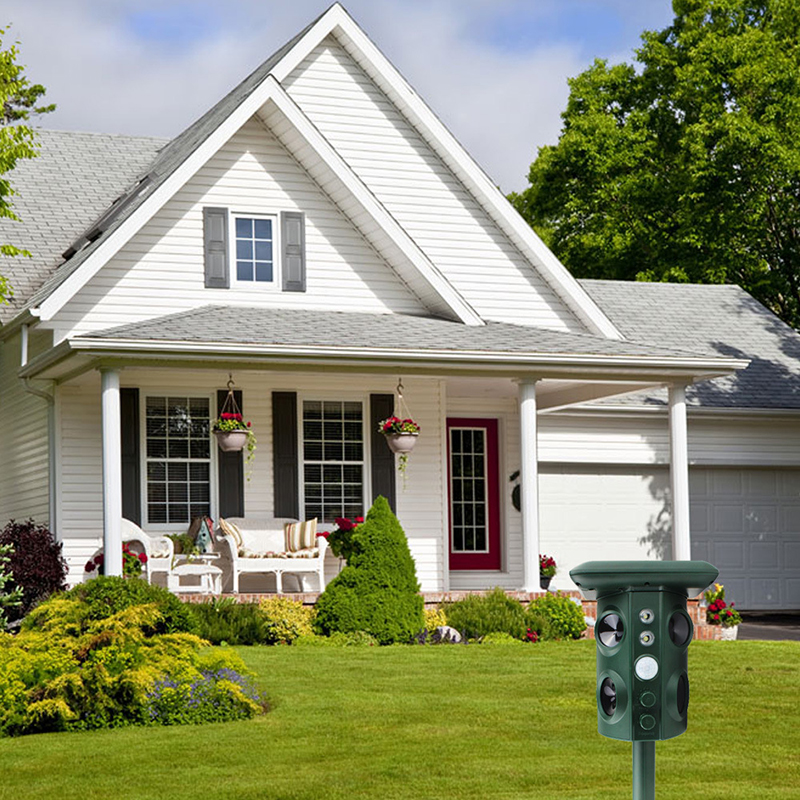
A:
(717, 320)
(75, 177)
(167, 161)
(236, 325)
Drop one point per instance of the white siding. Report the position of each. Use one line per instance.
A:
(644, 439)
(160, 271)
(416, 187)
(24, 455)
(419, 504)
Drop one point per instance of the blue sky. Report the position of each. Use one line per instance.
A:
(494, 70)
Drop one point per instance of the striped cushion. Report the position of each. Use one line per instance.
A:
(231, 530)
(300, 535)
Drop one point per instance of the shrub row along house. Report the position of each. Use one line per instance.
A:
(319, 234)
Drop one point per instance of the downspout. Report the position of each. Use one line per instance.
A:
(49, 398)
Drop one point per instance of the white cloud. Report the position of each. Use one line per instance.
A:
(105, 76)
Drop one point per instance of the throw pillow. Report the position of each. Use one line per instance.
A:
(300, 535)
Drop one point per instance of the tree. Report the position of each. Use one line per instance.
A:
(19, 99)
(684, 166)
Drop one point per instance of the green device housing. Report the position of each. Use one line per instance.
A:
(643, 633)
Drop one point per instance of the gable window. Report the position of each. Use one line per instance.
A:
(333, 459)
(254, 249)
(178, 459)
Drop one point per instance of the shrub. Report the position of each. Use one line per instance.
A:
(108, 595)
(72, 672)
(352, 639)
(434, 618)
(377, 592)
(7, 599)
(563, 615)
(285, 620)
(226, 620)
(538, 623)
(477, 616)
(36, 563)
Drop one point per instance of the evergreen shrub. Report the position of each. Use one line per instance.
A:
(564, 617)
(476, 616)
(107, 595)
(36, 564)
(224, 620)
(377, 592)
(68, 671)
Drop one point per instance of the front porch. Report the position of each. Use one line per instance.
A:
(132, 440)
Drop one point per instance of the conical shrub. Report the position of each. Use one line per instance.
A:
(377, 591)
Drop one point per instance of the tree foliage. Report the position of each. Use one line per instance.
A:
(19, 99)
(684, 166)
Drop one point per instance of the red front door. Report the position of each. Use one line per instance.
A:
(473, 473)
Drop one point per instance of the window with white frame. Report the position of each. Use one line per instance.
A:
(178, 459)
(333, 459)
(254, 249)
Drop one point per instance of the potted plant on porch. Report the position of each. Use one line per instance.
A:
(233, 433)
(718, 612)
(547, 569)
(401, 436)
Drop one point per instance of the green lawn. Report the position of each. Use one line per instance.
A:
(439, 722)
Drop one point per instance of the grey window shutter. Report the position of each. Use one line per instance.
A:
(381, 406)
(131, 469)
(215, 238)
(284, 454)
(230, 469)
(293, 238)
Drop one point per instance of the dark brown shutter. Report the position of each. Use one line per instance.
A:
(293, 238)
(215, 239)
(131, 467)
(381, 406)
(284, 454)
(230, 469)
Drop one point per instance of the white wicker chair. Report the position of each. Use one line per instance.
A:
(159, 550)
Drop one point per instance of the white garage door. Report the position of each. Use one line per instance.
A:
(747, 523)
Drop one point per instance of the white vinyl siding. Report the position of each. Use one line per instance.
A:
(421, 193)
(160, 271)
(24, 460)
(419, 504)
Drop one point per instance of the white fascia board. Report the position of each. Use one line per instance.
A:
(443, 289)
(338, 22)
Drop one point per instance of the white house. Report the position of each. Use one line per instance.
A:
(319, 235)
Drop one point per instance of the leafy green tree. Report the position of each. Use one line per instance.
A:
(19, 99)
(684, 166)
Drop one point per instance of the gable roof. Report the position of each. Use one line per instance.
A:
(720, 320)
(180, 159)
(75, 177)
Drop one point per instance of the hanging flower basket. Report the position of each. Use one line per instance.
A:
(233, 434)
(401, 436)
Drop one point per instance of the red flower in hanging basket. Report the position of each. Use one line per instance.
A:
(396, 425)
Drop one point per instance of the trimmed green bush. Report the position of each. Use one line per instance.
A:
(377, 592)
(563, 615)
(68, 671)
(226, 620)
(106, 596)
(501, 639)
(476, 616)
(285, 620)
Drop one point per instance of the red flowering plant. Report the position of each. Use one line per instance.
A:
(547, 566)
(393, 424)
(340, 539)
(132, 563)
(718, 612)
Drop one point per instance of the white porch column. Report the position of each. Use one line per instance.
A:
(112, 472)
(679, 473)
(529, 485)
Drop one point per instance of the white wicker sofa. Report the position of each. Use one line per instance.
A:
(263, 551)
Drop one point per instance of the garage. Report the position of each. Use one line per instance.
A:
(747, 523)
